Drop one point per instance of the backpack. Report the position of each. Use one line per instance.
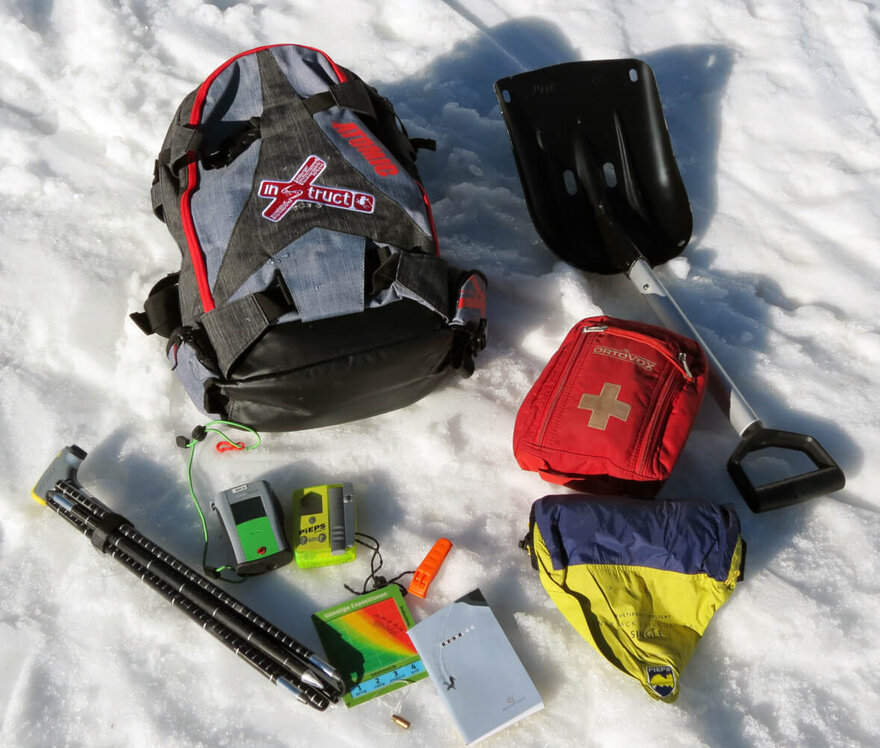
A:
(311, 291)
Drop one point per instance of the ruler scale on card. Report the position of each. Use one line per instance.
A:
(403, 674)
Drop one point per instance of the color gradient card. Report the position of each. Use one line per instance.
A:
(366, 640)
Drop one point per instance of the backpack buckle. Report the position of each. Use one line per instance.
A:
(468, 341)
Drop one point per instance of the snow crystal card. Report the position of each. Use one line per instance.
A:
(366, 640)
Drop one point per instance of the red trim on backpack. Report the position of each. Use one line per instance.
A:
(192, 172)
(192, 238)
(340, 73)
(430, 213)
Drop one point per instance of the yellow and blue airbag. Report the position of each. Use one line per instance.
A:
(639, 580)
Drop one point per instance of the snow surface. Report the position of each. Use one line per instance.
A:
(773, 111)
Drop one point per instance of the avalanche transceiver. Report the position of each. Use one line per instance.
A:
(251, 516)
(325, 533)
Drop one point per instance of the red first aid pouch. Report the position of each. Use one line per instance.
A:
(613, 408)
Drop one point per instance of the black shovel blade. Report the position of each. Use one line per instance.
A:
(596, 163)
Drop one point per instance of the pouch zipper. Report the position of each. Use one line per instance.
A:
(679, 362)
(551, 406)
(662, 402)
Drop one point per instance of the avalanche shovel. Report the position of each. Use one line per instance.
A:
(605, 194)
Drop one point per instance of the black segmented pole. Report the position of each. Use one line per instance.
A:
(269, 650)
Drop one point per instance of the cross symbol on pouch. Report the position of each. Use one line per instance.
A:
(605, 406)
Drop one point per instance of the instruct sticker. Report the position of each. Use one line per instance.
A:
(303, 188)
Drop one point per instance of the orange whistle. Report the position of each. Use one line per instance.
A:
(429, 567)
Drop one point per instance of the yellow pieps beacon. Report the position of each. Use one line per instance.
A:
(326, 530)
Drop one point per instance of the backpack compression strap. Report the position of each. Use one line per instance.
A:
(233, 327)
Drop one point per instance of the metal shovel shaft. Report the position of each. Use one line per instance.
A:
(826, 475)
(723, 388)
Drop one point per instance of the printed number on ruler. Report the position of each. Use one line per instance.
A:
(386, 679)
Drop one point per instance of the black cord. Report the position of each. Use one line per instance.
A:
(376, 562)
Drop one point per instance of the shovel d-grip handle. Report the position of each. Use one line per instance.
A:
(827, 476)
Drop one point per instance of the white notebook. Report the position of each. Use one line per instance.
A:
(474, 667)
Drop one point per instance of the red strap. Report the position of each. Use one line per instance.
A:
(430, 213)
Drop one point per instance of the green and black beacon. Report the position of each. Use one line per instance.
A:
(252, 518)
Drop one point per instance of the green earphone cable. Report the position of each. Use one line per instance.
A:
(199, 433)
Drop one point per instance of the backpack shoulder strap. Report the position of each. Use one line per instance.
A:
(353, 94)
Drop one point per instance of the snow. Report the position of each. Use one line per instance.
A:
(773, 111)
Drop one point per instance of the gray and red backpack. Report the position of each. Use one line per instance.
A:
(311, 290)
